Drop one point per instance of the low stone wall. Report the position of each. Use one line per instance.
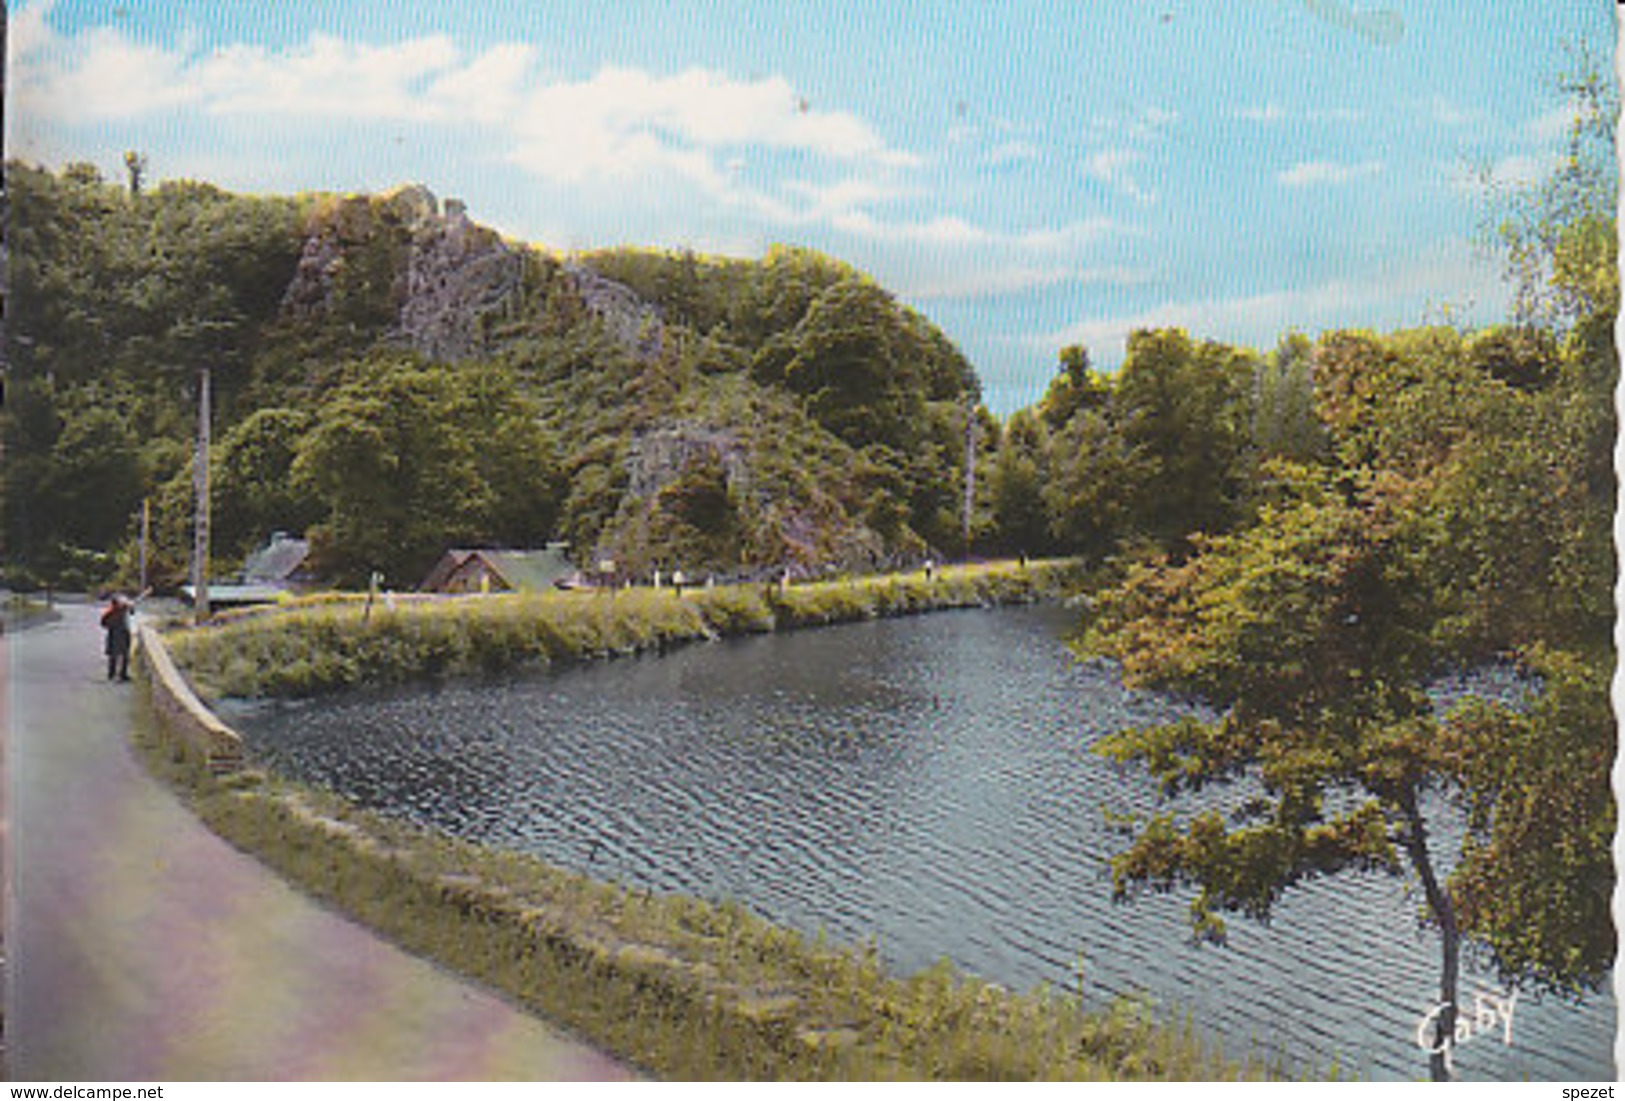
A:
(181, 713)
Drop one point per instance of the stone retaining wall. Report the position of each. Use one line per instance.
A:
(182, 715)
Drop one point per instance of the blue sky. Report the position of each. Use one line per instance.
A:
(1026, 174)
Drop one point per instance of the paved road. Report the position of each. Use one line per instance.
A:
(141, 947)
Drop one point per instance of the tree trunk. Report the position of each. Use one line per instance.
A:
(1444, 912)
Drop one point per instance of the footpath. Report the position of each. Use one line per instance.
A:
(141, 947)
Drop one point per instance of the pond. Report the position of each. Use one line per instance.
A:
(928, 782)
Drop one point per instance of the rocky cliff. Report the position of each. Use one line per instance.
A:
(441, 280)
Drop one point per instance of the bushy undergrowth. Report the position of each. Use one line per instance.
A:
(320, 645)
(679, 987)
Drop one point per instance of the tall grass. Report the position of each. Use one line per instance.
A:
(679, 987)
(315, 646)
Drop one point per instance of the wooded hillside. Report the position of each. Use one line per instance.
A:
(395, 379)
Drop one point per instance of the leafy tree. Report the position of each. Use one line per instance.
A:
(1284, 421)
(94, 484)
(31, 426)
(1309, 632)
(408, 459)
(1090, 495)
(1522, 549)
(1464, 513)
(135, 166)
(252, 493)
(1020, 516)
(1557, 235)
(1536, 876)
(697, 517)
(787, 283)
(1077, 387)
(854, 363)
(1183, 411)
(1525, 358)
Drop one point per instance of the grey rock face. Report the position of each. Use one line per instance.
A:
(458, 276)
(658, 456)
(634, 323)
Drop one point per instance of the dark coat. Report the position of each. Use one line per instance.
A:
(116, 621)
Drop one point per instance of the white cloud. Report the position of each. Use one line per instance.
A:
(1446, 113)
(487, 90)
(976, 280)
(327, 78)
(951, 230)
(1453, 277)
(29, 31)
(1010, 153)
(1326, 173)
(698, 132)
(847, 194)
(1109, 164)
(108, 76)
(953, 259)
(619, 120)
(1145, 124)
(1523, 170)
(1272, 113)
(102, 74)
(1112, 167)
(1513, 172)
(1153, 118)
(1556, 125)
(1215, 318)
(626, 121)
(945, 231)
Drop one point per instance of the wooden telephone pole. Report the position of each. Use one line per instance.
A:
(200, 485)
(146, 534)
(970, 465)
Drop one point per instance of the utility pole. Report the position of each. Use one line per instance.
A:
(970, 464)
(200, 485)
(146, 532)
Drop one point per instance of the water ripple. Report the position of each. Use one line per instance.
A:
(927, 782)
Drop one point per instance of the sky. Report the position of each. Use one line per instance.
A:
(1027, 175)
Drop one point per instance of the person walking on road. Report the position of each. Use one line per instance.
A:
(116, 622)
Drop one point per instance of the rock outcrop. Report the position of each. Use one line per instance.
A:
(458, 276)
(633, 322)
(658, 456)
(442, 277)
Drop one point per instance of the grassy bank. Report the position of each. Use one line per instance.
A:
(318, 646)
(681, 988)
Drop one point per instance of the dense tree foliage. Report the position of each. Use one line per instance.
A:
(406, 461)
(832, 413)
(1162, 448)
(116, 298)
(1452, 504)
